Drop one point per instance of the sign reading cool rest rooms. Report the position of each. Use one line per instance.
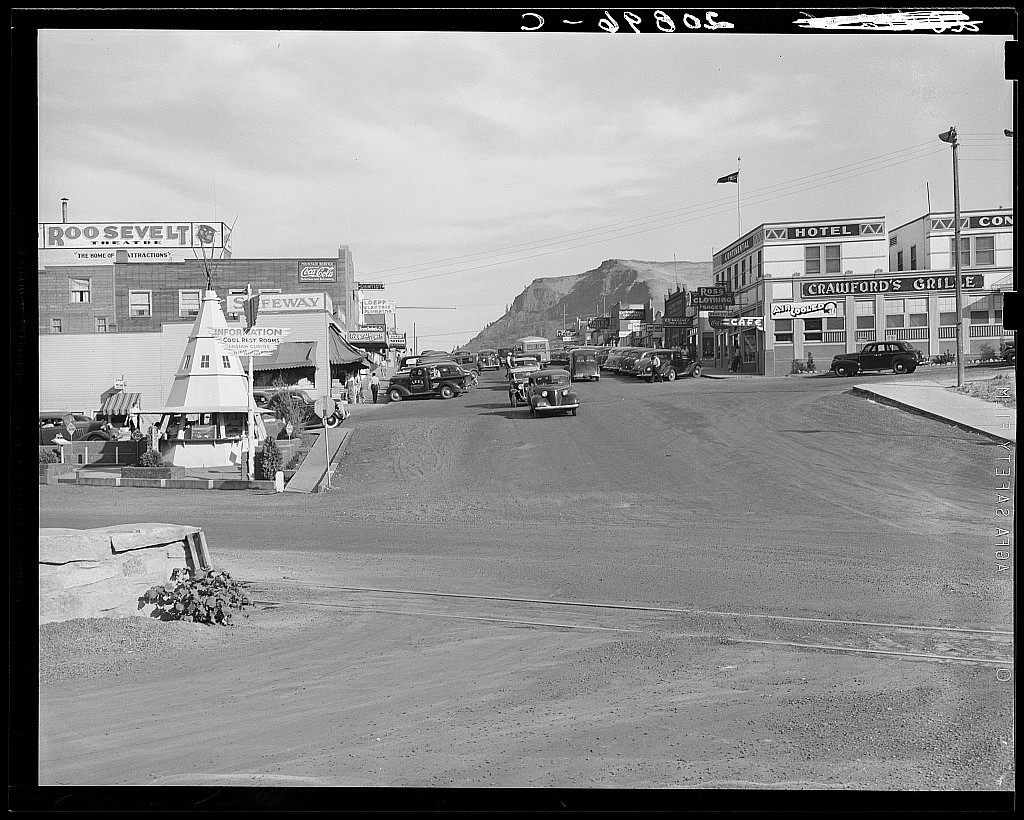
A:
(893, 284)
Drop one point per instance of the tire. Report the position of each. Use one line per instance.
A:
(842, 370)
(394, 394)
(671, 374)
(334, 421)
(697, 371)
(899, 367)
(446, 391)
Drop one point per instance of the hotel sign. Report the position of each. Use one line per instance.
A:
(893, 284)
(822, 231)
(324, 270)
(804, 310)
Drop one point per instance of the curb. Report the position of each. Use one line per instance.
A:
(910, 408)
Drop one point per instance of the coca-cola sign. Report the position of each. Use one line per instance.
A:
(319, 271)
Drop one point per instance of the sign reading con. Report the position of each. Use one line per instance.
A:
(804, 310)
(321, 270)
(86, 235)
(893, 284)
(256, 341)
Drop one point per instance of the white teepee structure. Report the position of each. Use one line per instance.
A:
(207, 416)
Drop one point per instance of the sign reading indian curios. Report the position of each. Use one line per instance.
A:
(322, 270)
(894, 284)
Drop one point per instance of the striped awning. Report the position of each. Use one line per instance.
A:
(287, 356)
(120, 403)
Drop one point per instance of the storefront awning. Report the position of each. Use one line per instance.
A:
(344, 353)
(287, 356)
(120, 403)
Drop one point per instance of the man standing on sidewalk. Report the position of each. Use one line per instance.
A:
(656, 369)
(374, 385)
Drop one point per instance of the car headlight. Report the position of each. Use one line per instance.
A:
(565, 392)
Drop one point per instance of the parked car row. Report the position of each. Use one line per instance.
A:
(639, 362)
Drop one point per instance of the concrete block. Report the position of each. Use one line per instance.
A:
(59, 545)
(124, 537)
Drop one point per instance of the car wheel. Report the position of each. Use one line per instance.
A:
(899, 367)
(333, 421)
(395, 395)
(671, 375)
(446, 391)
(841, 370)
(697, 371)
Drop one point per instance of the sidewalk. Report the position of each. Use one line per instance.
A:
(939, 402)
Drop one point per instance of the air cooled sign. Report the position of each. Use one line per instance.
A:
(325, 270)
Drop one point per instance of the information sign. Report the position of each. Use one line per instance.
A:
(256, 341)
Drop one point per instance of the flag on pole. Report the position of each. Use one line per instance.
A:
(733, 177)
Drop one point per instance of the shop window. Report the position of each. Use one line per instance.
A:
(140, 303)
(913, 257)
(865, 314)
(947, 310)
(204, 361)
(979, 317)
(56, 326)
(783, 331)
(227, 362)
(899, 260)
(101, 324)
(984, 250)
(188, 302)
(812, 330)
(80, 290)
(894, 313)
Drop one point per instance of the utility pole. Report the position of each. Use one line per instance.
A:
(950, 137)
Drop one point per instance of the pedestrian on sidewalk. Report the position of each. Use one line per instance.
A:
(737, 362)
(656, 369)
(350, 388)
(364, 384)
(374, 385)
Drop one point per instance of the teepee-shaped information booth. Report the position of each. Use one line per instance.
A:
(207, 419)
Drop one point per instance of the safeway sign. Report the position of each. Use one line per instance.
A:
(256, 341)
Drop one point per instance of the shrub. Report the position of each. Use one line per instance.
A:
(987, 351)
(151, 458)
(204, 597)
(49, 457)
(798, 366)
(296, 460)
(810, 362)
(268, 459)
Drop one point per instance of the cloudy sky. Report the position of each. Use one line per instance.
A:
(460, 167)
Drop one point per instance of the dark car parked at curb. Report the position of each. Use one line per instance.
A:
(551, 391)
(52, 425)
(899, 357)
(1009, 351)
(675, 365)
(444, 379)
(268, 399)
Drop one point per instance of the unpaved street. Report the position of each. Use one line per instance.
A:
(716, 584)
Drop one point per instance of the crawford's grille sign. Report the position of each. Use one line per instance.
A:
(322, 270)
(895, 284)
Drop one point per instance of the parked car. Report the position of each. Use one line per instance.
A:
(642, 366)
(681, 363)
(900, 357)
(628, 361)
(559, 359)
(487, 358)
(266, 400)
(583, 364)
(614, 358)
(518, 378)
(602, 356)
(551, 391)
(1009, 351)
(468, 362)
(52, 425)
(525, 361)
(444, 379)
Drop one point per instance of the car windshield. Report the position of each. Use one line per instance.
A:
(551, 378)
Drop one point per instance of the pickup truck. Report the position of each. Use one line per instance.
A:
(899, 357)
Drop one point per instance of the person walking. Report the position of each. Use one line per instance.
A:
(350, 388)
(364, 384)
(374, 385)
(656, 369)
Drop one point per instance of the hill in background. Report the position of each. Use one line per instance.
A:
(539, 309)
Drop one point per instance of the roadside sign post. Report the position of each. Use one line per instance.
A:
(325, 407)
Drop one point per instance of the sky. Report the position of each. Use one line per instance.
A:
(459, 167)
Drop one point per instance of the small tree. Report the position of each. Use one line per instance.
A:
(288, 405)
(987, 351)
(268, 460)
(48, 457)
(810, 362)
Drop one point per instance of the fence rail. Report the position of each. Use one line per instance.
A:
(906, 334)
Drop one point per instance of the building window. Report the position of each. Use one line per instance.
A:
(227, 362)
(188, 361)
(188, 302)
(56, 326)
(947, 310)
(101, 324)
(984, 250)
(812, 330)
(865, 314)
(204, 361)
(140, 303)
(760, 266)
(813, 255)
(913, 257)
(784, 331)
(894, 313)
(899, 260)
(917, 312)
(837, 322)
(80, 290)
(965, 251)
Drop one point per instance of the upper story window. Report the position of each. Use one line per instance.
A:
(817, 255)
(188, 302)
(760, 266)
(56, 326)
(204, 361)
(913, 257)
(974, 250)
(140, 303)
(227, 362)
(899, 260)
(101, 324)
(81, 290)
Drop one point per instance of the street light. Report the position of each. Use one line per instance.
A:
(950, 137)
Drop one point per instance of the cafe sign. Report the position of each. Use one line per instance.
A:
(804, 310)
(893, 284)
(737, 321)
